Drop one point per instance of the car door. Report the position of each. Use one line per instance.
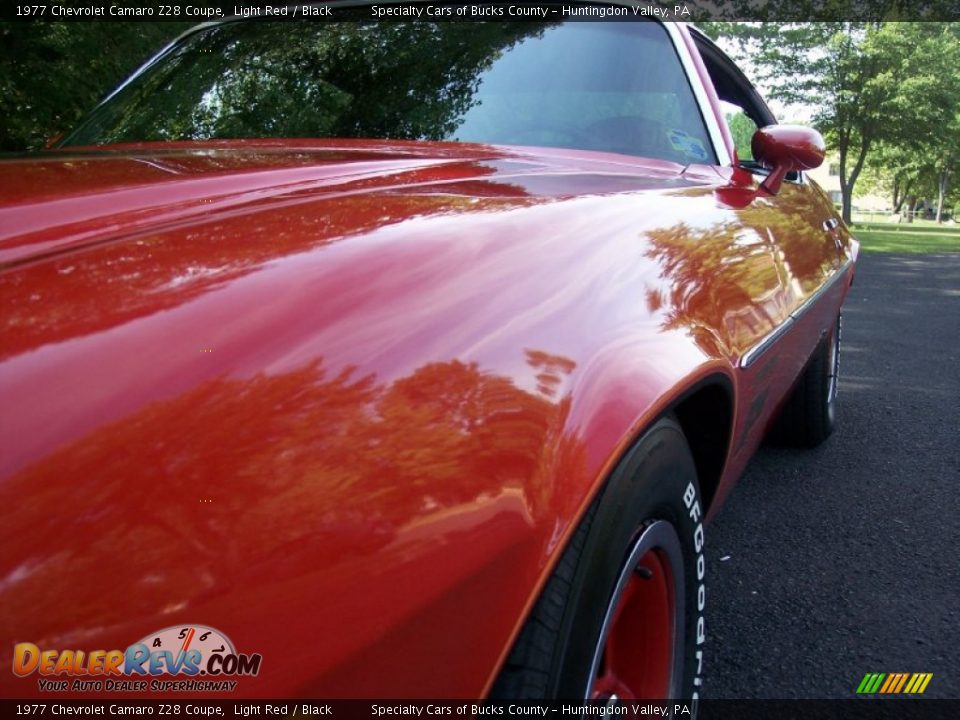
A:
(786, 249)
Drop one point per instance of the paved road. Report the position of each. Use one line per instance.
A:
(846, 559)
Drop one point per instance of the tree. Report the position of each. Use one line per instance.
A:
(894, 171)
(907, 175)
(345, 79)
(742, 129)
(870, 83)
(52, 73)
(947, 161)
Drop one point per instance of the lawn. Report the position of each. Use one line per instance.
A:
(916, 237)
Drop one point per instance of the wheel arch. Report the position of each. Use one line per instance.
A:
(705, 414)
(704, 410)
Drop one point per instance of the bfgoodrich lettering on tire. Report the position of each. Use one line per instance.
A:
(622, 615)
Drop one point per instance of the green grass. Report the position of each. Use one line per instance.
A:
(916, 237)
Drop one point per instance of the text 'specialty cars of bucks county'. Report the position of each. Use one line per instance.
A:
(409, 357)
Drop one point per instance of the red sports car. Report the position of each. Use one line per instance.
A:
(399, 359)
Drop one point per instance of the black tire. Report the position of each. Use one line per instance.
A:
(652, 493)
(808, 416)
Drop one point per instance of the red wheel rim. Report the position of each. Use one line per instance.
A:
(640, 651)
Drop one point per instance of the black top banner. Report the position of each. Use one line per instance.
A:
(393, 10)
(381, 709)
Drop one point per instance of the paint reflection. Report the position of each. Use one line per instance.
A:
(254, 480)
(731, 282)
(83, 293)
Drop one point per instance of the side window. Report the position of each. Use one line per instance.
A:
(742, 107)
(741, 128)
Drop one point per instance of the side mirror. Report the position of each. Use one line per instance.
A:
(786, 148)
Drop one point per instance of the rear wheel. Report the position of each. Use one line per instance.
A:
(622, 615)
(809, 414)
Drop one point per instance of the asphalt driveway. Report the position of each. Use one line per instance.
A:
(832, 563)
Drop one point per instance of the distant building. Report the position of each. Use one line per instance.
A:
(827, 176)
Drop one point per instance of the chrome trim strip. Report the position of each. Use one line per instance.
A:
(768, 340)
(822, 290)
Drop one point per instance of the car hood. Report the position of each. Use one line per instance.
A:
(132, 274)
(66, 200)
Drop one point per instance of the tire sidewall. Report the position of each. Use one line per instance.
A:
(656, 481)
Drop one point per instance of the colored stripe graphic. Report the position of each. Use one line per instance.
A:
(870, 683)
(903, 680)
(894, 683)
(918, 683)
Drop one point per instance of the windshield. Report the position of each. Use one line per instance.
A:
(610, 86)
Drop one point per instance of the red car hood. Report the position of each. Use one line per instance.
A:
(62, 201)
(238, 240)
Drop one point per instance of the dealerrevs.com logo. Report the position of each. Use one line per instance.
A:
(204, 656)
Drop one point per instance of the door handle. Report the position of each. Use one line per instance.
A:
(830, 225)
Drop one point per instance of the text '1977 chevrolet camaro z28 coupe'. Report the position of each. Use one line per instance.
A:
(400, 359)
